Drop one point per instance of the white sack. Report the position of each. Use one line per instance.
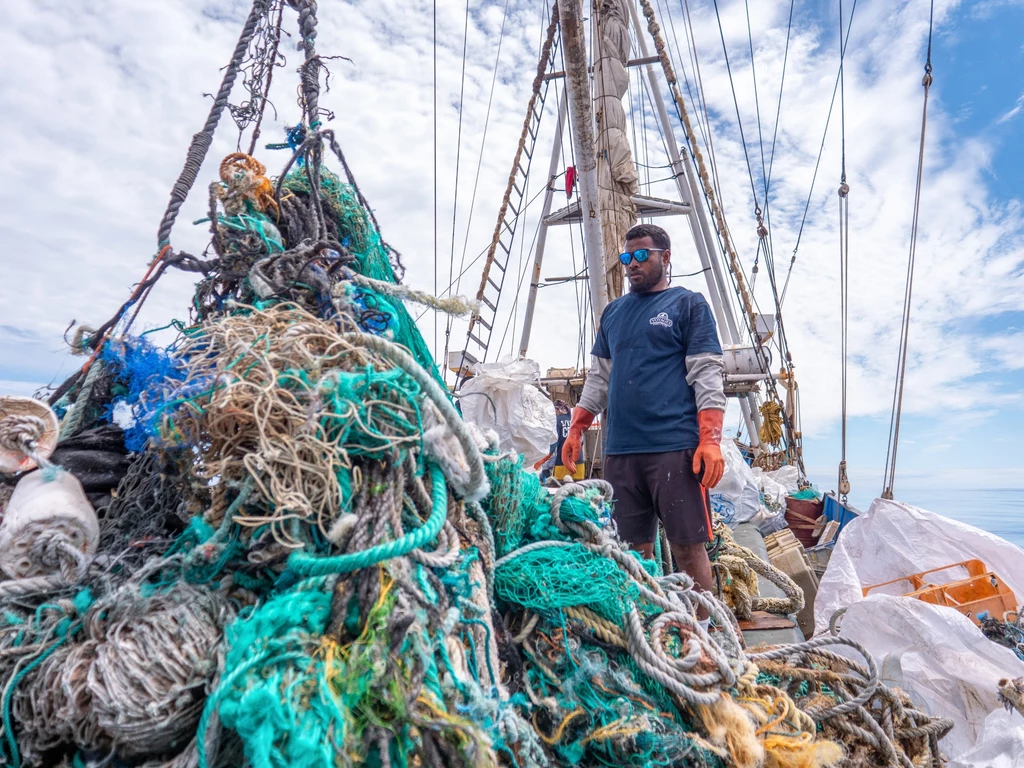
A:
(788, 477)
(737, 497)
(1000, 745)
(893, 539)
(523, 416)
(948, 667)
(947, 664)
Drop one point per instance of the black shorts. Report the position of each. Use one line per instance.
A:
(658, 486)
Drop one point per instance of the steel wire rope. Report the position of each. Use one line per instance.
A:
(447, 291)
(843, 487)
(483, 143)
(455, 202)
(821, 149)
(771, 158)
(514, 315)
(770, 383)
(701, 101)
(762, 227)
(739, 119)
(433, 103)
(513, 318)
(901, 365)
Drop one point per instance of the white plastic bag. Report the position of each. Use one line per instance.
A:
(946, 663)
(521, 414)
(737, 497)
(999, 745)
(893, 539)
(947, 666)
(788, 477)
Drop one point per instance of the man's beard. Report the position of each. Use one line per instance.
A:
(647, 281)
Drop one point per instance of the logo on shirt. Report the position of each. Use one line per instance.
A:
(662, 319)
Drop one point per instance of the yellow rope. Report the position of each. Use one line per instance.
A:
(771, 423)
(557, 735)
(604, 629)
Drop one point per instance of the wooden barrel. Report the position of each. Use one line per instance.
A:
(801, 515)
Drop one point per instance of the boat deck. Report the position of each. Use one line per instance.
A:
(748, 536)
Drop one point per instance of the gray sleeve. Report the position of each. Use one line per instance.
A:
(595, 388)
(704, 374)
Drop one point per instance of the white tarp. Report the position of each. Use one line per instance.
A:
(935, 653)
(893, 539)
(949, 668)
(504, 396)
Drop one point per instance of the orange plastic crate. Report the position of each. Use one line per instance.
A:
(982, 594)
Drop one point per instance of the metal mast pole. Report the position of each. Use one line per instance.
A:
(581, 119)
(542, 236)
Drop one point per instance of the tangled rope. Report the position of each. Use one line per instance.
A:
(135, 682)
(313, 560)
(62, 562)
(877, 724)
(22, 432)
(736, 569)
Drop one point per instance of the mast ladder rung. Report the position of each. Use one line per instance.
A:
(483, 322)
(496, 286)
(479, 343)
(485, 300)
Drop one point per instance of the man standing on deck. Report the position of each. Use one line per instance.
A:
(657, 369)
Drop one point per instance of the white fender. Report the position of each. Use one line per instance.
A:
(39, 505)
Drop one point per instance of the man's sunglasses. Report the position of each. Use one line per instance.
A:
(640, 254)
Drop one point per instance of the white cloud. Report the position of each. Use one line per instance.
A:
(1013, 112)
(97, 111)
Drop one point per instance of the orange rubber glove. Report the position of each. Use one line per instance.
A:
(573, 445)
(709, 450)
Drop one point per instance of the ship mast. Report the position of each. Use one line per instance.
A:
(577, 83)
(615, 175)
(609, 203)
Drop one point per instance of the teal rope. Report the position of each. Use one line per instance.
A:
(304, 565)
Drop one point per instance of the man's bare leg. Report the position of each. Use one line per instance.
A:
(691, 559)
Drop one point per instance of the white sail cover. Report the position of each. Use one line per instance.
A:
(616, 172)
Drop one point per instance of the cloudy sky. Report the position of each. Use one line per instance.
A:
(98, 103)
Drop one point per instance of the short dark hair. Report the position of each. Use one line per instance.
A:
(657, 234)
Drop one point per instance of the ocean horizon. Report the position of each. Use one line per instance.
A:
(999, 511)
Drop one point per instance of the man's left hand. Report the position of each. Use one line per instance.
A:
(709, 450)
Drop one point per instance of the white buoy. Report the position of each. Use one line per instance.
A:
(40, 506)
(27, 427)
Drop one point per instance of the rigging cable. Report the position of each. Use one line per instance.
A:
(483, 143)
(455, 201)
(434, 107)
(901, 366)
(821, 149)
(739, 120)
(843, 487)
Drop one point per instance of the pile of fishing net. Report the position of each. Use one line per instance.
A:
(307, 558)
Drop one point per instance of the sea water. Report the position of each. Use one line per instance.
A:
(998, 511)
